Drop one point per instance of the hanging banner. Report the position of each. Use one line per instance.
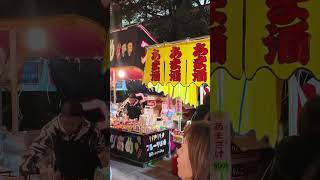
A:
(154, 68)
(184, 63)
(282, 36)
(226, 36)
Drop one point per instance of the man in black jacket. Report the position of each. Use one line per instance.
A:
(79, 148)
(295, 154)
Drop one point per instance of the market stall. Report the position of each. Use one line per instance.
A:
(144, 139)
(251, 66)
(183, 77)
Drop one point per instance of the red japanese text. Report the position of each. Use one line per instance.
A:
(219, 140)
(218, 38)
(155, 74)
(175, 64)
(199, 66)
(288, 40)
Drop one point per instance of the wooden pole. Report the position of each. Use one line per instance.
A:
(14, 80)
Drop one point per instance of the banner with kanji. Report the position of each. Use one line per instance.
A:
(227, 36)
(185, 63)
(282, 35)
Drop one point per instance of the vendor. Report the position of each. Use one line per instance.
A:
(133, 107)
(78, 147)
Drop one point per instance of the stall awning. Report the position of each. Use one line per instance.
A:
(127, 46)
(127, 73)
(185, 62)
(56, 37)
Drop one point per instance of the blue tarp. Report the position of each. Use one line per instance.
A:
(36, 76)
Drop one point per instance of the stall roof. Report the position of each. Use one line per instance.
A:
(92, 9)
(127, 46)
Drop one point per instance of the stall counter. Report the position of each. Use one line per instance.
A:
(138, 148)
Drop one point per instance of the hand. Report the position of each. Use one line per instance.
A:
(25, 171)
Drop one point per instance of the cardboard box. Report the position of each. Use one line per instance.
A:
(250, 158)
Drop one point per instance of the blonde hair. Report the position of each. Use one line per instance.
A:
(197, 136)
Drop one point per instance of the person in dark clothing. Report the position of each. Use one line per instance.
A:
(79, 149)
(133, 107)
(202, 111)
(296, 153)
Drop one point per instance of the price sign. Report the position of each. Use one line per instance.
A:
(179, 106)
(221, 147)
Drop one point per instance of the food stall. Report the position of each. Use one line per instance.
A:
(258, 56)
(138, 141)
(182, 71)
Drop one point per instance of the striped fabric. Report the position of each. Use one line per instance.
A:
(49, 134)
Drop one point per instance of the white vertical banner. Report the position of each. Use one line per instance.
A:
(221, 147)
(293, 95)
(179, 111)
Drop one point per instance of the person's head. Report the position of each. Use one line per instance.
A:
(206, 100)
(132, 98)
(201, 112)
(310, 118)
(193, 156)
(71, 116)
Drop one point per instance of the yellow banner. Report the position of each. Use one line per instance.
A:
(226, 36)
(172, 75)
(155, 66)
(262, 117)
(282, 37)
(185, 63)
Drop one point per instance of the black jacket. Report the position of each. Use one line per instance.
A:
(293, 156)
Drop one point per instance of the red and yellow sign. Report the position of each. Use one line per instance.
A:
(282, 36)
(185, 63)
(226, 36)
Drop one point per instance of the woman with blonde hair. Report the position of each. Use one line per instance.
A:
(193, 161)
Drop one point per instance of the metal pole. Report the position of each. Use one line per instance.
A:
(293, 105)
(14, 80)
(114, 87)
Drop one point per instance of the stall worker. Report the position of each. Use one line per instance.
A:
(79, 148)
(133, 107)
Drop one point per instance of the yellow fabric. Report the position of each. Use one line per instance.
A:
(260, 110)
(190, 98)
(190, 60)
(147, 78)
(187, 60)
(256, 31)
(234, 13)
(183, 48)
